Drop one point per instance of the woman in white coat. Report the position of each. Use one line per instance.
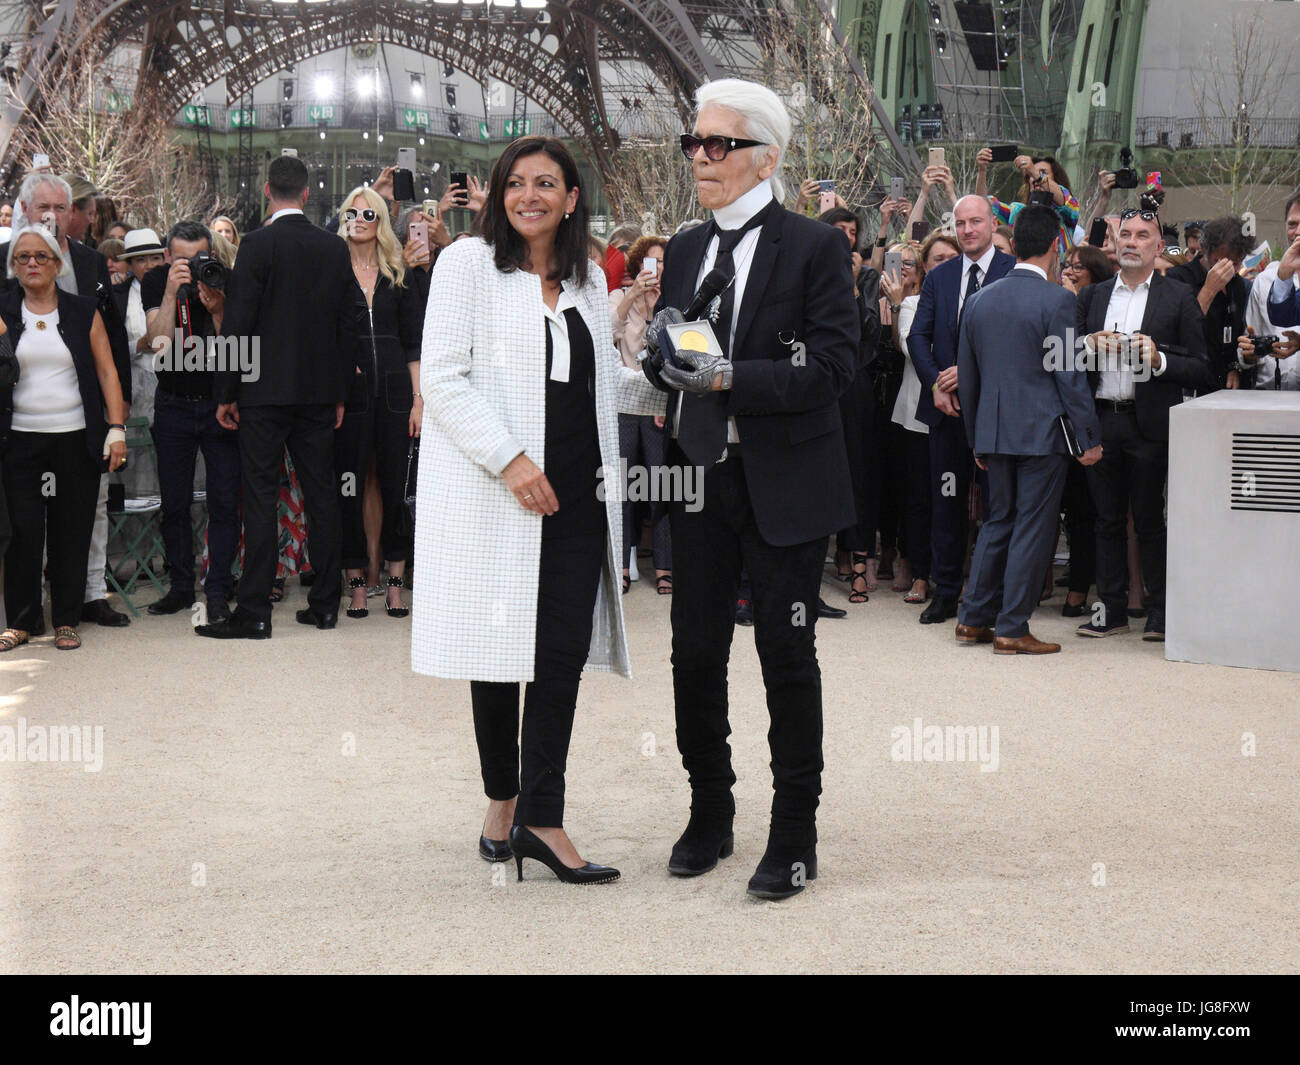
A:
(518, 541)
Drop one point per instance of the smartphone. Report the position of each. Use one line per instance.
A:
(289, 151)
(1005, 153)
(461, 178)
(894, 263)
(650, 262)
(403, 185)
(430, 207)
(419, 232)
(40, 161)
(938, 157)
(1097, 232)
(920, 230)
(826, 198)
(896, 187)
(406, 159)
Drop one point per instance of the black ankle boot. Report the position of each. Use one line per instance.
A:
(783, 871)
(700, 847)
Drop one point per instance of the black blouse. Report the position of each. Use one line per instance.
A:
(572, 439)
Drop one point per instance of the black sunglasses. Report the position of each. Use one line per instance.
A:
(367, 214)
(1133, 212)
(1189, 226)
(716, 148)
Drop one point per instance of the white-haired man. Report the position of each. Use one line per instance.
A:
(45, 198)
(763, 424)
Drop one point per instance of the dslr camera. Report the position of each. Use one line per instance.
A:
(1126, 177)
(1263, 346)
(207, 268)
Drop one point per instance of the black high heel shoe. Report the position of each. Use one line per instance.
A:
(494, 850)
(525, 844)
(396, 611)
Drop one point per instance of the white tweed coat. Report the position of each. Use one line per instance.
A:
(477, 551)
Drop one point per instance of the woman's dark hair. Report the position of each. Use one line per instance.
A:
(105, 216)
(1095, 261)
(640, 247)
(1058, 175)
(509, 250)
(836, 215)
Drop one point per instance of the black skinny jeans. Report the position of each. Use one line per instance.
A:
(566, 600)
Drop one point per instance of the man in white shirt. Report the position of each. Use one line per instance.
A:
(1145, 338)
(1285, 359)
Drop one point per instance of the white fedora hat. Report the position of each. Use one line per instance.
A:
(141, 242)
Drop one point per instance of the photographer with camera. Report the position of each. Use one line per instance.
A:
(1273, 365)
(185, 298)
(1045, 182)
(1221, 292)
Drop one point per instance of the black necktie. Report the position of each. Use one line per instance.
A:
(972, 281)
(702, 428)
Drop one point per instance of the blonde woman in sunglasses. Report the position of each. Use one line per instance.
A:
(384, 407)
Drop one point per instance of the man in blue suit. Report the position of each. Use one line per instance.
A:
(932, 344)
(1013, 392)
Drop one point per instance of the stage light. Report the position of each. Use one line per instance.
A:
(324, 86)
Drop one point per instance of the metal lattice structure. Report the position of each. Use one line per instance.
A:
(562, 56)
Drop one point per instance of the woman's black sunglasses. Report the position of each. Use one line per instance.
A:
(715, 148)
(367, 215)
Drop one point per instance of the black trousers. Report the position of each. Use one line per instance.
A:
(858, 416)
(181, 427)
(51, 487)
(566, 599)
(308, 432)
(891, 483)
(951, 467)
(916, 500)
(1132, 472)
(709, 547)
(371, 427)
(1081, 528)
(641, 442)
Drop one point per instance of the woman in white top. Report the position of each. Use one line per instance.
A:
(898, 308)
(640, 436)
(54, 439)
(517, 534)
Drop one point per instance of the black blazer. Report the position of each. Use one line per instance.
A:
(784, 397)
(90, 268)
(122, 295)
(1174, 321)
(76, 316)
(292, 292)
